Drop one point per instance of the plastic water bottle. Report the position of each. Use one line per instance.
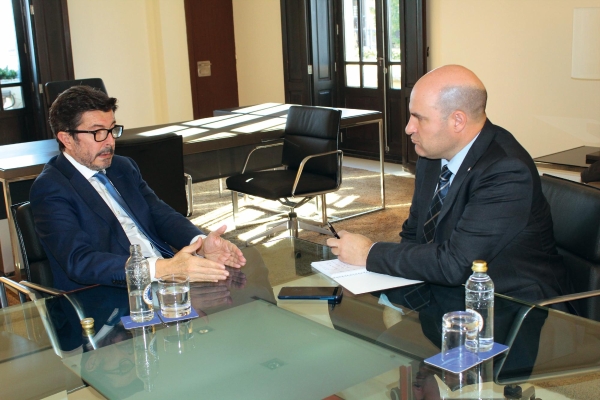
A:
(479, 299)
(139, 285)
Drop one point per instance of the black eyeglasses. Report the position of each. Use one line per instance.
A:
(100, 135)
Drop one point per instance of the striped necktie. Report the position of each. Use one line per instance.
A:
(164, 250)
(436, 205)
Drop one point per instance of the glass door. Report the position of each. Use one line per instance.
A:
(361, 44)
(371, 73)
(15, 85)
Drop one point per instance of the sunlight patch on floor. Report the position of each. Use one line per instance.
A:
(209, 217)
(398, 205)
(356, 178)
(344, 202)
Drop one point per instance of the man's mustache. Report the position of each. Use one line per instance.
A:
(108, 150)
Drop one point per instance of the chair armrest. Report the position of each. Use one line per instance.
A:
(272, 140)
(56, 292)
(42, 288)
(20, 287)
(307, 158)
(568, 297)
(259, 148)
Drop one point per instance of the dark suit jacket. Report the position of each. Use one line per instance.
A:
(83, 239)
(494, 211)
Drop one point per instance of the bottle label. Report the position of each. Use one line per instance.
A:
(147, 294)
(479, 318)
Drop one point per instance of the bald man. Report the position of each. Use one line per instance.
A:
(493, 209)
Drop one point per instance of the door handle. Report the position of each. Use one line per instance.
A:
(203, 68)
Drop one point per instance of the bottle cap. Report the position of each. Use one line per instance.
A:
(479, 266)
(87, 323)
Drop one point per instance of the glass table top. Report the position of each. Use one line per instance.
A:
(248, 344)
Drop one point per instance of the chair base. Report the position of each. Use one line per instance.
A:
(293, 224)
(320, 203)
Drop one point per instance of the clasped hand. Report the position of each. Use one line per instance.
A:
(215, 253)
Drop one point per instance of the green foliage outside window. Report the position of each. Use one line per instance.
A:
(6, 73)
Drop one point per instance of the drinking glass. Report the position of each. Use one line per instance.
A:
(459, 335)
(174, 295)
(459, 348)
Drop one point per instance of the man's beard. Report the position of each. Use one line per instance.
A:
(107, 162)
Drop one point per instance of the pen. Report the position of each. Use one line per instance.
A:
(331, 228)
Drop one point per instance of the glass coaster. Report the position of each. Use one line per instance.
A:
(191, 315)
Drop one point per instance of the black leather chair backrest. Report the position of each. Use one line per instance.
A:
(36, 264)
(576, 217)
(311, 130)
(53, 89)
(160, 159)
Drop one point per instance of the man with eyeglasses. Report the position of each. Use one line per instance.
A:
(89, 205)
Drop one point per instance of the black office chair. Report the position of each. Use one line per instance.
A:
(312, 161)
(38, 275)
(35, 261)
(160, 159)
(575, 211)
(39, 281)
(53, 89)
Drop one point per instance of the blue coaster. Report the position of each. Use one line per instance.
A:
(456, 365)
(191, 315)
(129, 324)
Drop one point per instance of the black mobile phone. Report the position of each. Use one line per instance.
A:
(332, 294)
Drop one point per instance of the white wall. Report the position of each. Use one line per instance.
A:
(521, 50)
(139, 49)
(257, 26)
(172, 39)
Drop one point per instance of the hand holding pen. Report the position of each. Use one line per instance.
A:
(332, 229)
(351, 248)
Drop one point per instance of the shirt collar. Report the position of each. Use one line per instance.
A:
(85, 171)
(456, 161)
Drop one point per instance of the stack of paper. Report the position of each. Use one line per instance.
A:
(357, 279)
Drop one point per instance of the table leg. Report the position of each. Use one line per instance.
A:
(381, 163)
(16, 250)
(379, 123)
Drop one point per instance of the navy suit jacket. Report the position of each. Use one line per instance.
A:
(494, 211)
(83, 239)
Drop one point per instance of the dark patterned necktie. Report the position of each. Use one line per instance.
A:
(436, 205)
(164, 250)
